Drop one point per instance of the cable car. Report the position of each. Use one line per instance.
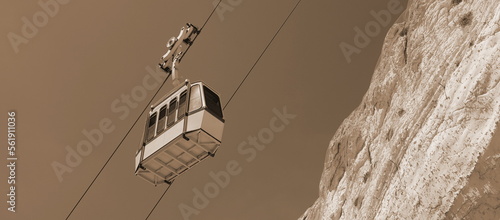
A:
(183, 128)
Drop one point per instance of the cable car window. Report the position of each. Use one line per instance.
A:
(161, 119)
(195, 98)
(171, 112)
(213, 102)
(151, 126)
(182, 105)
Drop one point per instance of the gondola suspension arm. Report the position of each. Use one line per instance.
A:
(177, 48)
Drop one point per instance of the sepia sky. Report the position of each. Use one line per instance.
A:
(65, 77)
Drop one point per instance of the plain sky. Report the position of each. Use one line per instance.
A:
(90, 53)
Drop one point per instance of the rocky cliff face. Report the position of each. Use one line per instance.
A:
(418, 146)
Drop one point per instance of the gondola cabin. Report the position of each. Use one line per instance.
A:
(183, 129)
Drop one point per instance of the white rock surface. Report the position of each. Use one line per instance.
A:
(418, 146)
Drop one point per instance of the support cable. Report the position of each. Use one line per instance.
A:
(112, 154)
(264, 51)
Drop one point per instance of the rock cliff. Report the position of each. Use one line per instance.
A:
(418, 146)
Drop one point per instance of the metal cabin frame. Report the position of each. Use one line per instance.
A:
(175, 147)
